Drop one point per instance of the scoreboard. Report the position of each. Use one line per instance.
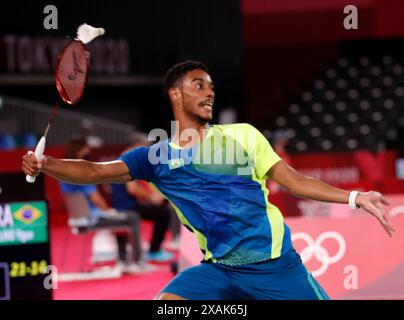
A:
(24, 240)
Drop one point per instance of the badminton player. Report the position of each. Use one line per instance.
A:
(248, 253)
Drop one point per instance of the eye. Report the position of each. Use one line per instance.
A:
(199, 86)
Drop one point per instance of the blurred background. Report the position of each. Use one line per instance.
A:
(329, 100)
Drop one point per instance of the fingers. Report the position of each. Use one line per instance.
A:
(377, 200)
(385, 201)
(372, 209)
(41, 162)
(387, 222)
(29, 171)
(387, 227)
(382, 217)
(30, 164)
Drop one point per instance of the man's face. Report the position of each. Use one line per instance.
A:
(198, 95)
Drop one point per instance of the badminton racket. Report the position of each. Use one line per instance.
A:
(71, 76)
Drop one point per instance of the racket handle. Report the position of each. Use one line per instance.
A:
(40, 148)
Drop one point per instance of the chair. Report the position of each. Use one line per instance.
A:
(7, 142)
(79, 222)
(26, 140)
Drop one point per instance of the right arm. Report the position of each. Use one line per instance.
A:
(77, 171)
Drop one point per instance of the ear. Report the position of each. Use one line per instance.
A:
(174, 94)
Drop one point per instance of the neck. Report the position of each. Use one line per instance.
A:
(189, 131)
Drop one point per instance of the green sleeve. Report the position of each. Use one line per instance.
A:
(263, 155)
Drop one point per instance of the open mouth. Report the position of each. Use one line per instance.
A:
(207, 104)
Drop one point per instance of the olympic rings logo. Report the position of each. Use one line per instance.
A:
(396, 211)
(315, 248)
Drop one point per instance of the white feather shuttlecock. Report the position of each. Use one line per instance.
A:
(87, 33)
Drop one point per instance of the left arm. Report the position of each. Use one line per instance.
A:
(310, 188)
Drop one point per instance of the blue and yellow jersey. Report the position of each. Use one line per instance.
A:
(218, 190)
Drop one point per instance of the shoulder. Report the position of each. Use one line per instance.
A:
(159, 145)
(156, 146)
(142, 161)
(138, 154)
(134, 151)
(236, 127)
(244, 131)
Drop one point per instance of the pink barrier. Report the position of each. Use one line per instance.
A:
(352, 258)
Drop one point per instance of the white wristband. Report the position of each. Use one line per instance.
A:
(352, 200)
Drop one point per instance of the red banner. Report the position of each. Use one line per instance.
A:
(361, 170)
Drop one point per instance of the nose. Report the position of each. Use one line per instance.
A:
(211, 93)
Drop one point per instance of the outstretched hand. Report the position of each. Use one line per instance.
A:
(373, 202)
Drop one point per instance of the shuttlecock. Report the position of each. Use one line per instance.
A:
(86, 33)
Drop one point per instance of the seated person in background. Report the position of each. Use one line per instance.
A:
(102, 215)
(148, 202)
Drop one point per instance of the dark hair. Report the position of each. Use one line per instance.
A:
(73, 146)
(176, 72)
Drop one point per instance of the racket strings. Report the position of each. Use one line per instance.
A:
(72, 72)
(71, 76)
(72, 86)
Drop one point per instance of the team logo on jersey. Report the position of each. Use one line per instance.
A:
(175, 163)
(27, 214)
